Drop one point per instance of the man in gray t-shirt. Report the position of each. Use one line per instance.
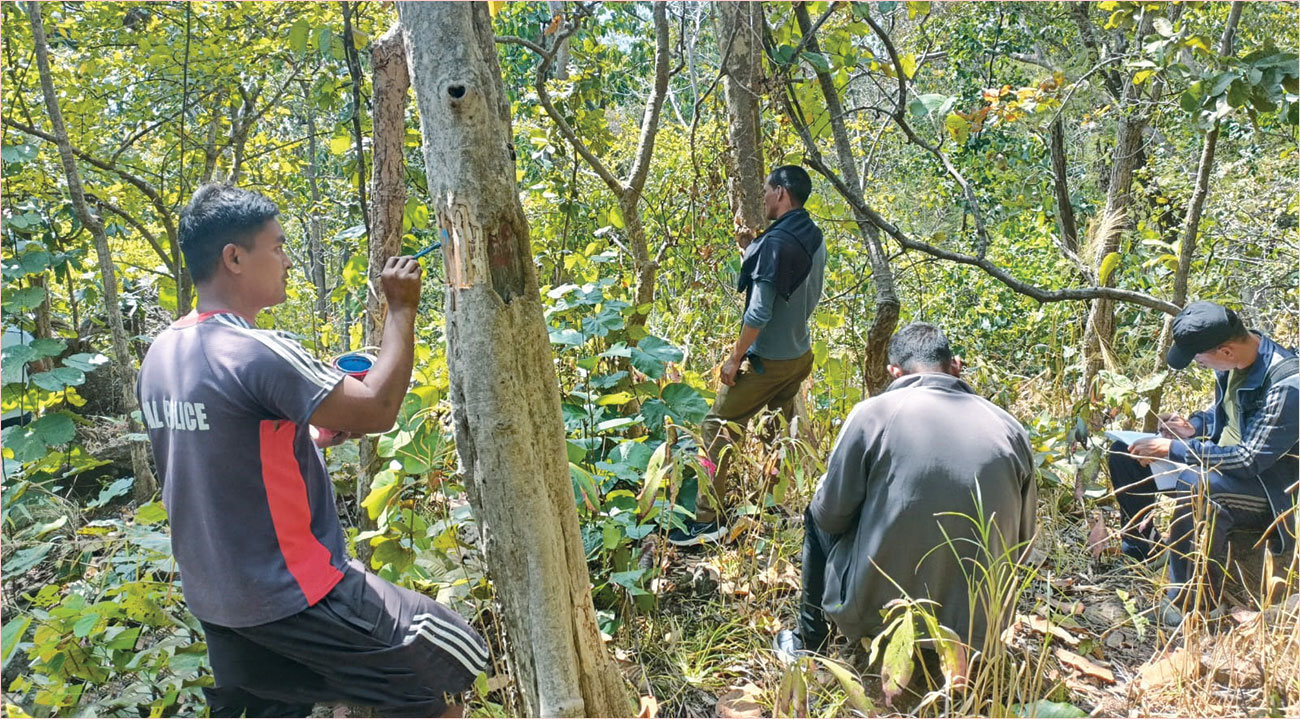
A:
(288, 618)
(781, 275)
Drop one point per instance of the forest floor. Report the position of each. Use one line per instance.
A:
(1086, 632)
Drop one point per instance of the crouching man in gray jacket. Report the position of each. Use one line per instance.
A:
(907, 464)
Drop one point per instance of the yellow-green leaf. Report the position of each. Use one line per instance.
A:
(616, 217)
(339, 144)
(1108, 265)
(908, 63)
(1141, 76)
(958, 127)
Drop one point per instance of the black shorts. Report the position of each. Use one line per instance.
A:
(368, 642)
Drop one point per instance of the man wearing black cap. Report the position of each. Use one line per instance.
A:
(1241, 452)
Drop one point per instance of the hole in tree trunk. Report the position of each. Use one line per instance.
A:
(456, 91)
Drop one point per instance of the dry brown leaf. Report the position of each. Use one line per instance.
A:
(1237, 672)
(1042, 626)
(1098, 537)
(1180, 665)
(649, 708)
(1063, 606)
(741, 701)
(1244, 616)
(1085, 666)
(742, 525)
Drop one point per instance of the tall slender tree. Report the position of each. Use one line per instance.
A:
(123, 365)
(505, 399)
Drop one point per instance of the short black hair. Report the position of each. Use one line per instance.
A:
(920, 346)
(220, 214)
(794, 179)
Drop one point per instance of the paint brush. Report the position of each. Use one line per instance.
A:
(430, 248)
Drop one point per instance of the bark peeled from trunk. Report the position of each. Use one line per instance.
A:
(124, 367)
(739, 42)
(1191, 229)
(506, 404)
(390, 83)
(882, 275)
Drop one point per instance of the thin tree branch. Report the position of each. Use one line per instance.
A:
(900, 119)
(654, 104)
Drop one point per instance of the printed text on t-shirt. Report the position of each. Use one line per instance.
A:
(176, 415)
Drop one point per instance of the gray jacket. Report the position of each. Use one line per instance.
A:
(926, 446)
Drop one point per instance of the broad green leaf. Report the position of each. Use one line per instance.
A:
(23, 299)
(584, 486)
(85, 625)
(1049, 710)
(383, 488)
(12, 634)
(17, 153)
(298, 35)
(118, 488)
(1108, 265)
(685, 403)
(55, 428)
(1141, 76)
(652, 354)
(151, 513)
(628, 580)
(566, 336)
(24, 559)
(853, 689)
(86, 362)
(915, 8)
(923, 105)
(1163, 26)
(59, 379)
(616, 217)
(818, 60)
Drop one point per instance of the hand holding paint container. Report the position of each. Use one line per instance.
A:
(353, 364)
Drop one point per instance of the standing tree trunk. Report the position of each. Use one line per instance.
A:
(506, 405)
(562, 50)
(882, 275)
(1060, 184)
(390, 83)
(1191, 228)
(315, 224)
(1099, 333)
(145, 484)
(740, 35)
(627, 194)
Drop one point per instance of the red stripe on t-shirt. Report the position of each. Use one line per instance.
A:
(286, 493)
